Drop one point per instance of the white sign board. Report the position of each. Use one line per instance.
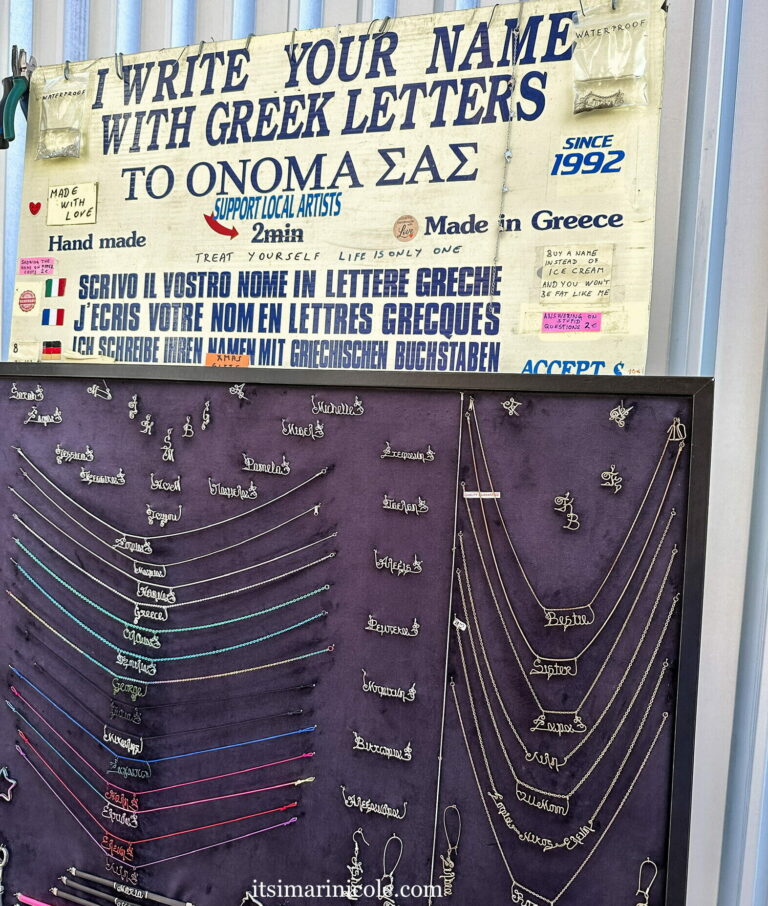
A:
(422, 197)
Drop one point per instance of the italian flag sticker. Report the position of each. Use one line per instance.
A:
(55, 287)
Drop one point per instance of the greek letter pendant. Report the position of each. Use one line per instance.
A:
(611, 479)
(619, 414)
(564, 504)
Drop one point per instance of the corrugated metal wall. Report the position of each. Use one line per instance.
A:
(709, 279)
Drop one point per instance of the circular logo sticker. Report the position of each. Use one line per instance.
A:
(27, 300)
(405, 228)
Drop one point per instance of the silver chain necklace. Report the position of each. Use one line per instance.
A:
(578, 725)
(547, 759)
(140, 567)
(547, 800)
(191, 531)
(516, 886)
(678, 435)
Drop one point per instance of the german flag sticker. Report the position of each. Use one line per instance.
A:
(51, 350)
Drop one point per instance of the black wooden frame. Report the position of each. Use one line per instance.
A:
(700, 392)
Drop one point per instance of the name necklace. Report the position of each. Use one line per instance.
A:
(550, 761)
(675, 433)
(578, 724)
(162, 536)
(517, 888)
(136, 793)
(141, 567)
(186, 679)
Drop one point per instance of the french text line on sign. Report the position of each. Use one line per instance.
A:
(71, 205)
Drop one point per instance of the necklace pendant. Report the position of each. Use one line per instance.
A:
(162, 519)
(135, 637)
(33, 417)
(238, 390)
(94, 478)
(133, 407)
(373, 625)
(117, 711)
(167, 448)
(171, 485)
(405, 695)
(501, 808)
(205, 419)
(103, 393)
(619, 414)
(397, 567)
(31, 396)
(135, 547)
(187, 430)
(126, 801)
(573, 840)
(232, 492)
(520, 897)
(562, 619)
(417, 507)
(139, 663)
(63, 455)
(313, 431)
(553, 803)
(132, 689)
(546, 759)
(564, 504)
(549, 722)
(424, 456)
(554, 669)
(114, 816)
(611, 479)
(123, 851)
(160, 595)
(369, 807)
(147, 424)
(511, 406)
(677, 431)
(148, 570)
(269, 468)
(530, 837)
(324, 407)
(404, 754)
(149, 611)
(122, 872)
(130, 771)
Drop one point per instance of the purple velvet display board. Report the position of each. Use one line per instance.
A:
(244, 620)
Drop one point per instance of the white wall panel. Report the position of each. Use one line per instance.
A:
(48, 31)
(101, 37)
(156, 24)
(276, 16)
(340, 12)
(214, 20)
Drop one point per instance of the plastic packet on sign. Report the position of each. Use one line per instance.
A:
(610, 58)
(62, 114)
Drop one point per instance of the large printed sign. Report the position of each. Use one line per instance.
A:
(421, 197)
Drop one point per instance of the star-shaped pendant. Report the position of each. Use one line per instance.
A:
(11, 783)
(511, 405)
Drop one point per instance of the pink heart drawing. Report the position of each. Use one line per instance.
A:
(34, 207)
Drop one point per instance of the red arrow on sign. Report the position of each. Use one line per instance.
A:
(218, 228)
